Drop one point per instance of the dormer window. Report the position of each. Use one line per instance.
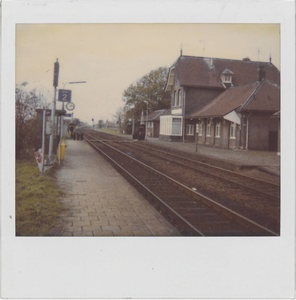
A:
(227, 78)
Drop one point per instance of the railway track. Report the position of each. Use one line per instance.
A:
(192, 212)
(259, 187)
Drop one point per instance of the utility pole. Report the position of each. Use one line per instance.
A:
(55, 84)
(133, 124)
(43, 140)
(146, 120)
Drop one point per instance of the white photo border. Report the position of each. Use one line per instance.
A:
(202, 268)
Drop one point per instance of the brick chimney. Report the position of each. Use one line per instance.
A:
(261, 73)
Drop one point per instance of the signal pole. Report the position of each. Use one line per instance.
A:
(55, 84)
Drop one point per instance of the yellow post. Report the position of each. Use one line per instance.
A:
(62, 150)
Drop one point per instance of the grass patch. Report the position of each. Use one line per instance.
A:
(38, 204)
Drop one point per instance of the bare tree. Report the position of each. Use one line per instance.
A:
(26, 122)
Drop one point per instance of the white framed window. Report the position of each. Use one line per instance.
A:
(176, 126)
(218, 130)
(208, 127)
(227, 78)
(175, 98)
(170, 125)
(200, 128)
(233, 130)
(179, 97)
(190, 129)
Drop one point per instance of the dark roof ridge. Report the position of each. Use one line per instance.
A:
(245, 83)
(226, 59)
(254, 92)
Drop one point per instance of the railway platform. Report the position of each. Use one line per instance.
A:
(236, 159)
(100, 202)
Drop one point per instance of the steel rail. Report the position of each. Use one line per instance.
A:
(207, 165)
(241, 176)
(215, 175)
(145, 188)
(247, 223)
(218, 168)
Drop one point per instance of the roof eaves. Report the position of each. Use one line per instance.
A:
(212, 116)
(261, 110)
(168, 78)
(176, 61)
(253, 93)
(154, 115)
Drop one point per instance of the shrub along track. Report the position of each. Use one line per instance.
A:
(225, 195)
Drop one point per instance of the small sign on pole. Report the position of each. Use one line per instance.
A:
(70, 106)
(65, 95)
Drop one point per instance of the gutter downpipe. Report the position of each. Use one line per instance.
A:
(229, 135)
(240, 136)
(247, 135)
(183, 113)
(214, 133)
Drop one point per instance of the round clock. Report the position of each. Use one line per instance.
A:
(70, 106)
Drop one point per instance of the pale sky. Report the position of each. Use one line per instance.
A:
(110, 57)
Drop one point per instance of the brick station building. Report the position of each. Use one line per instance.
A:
(223, 103)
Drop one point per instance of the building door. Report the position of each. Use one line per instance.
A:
(273, 141)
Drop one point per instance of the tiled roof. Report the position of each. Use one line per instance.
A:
(195, 71)
(206, 72)
(267, 98)
(154, 116)
(226, 102)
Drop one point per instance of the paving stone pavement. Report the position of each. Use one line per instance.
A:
(264, 160)
(236, 159)
(100, 202)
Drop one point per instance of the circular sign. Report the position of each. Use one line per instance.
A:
(70, 106)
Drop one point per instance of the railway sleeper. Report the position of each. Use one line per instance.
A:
(246, 223)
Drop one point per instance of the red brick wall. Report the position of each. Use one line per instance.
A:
(224, 135)
(224, 141)
(198, 98)
(190, 138)
(259, 127)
